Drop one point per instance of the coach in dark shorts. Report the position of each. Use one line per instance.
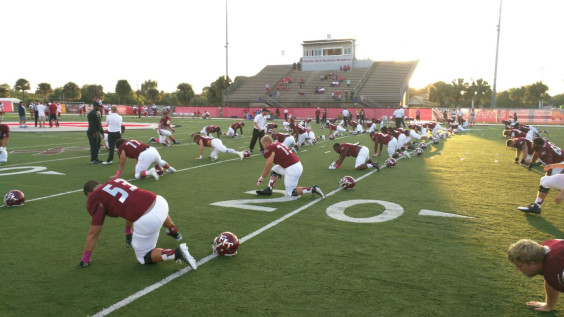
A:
(94, 132)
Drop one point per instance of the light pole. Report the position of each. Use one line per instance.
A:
(496, 55)
(226, 46)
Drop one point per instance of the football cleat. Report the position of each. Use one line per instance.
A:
(390, 162)
(152, 172)
(177, 236)
(170, 170)
(151, 140)
(315, 189)
(225, 244)
(347, 182)
(265, 192)
(532, 208)
(182, 254)
(376, 165)
(175, 142)
(14, 198)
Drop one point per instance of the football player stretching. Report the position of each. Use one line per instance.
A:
(280, 161)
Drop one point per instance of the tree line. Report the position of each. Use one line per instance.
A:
(124, 94)
(460, 93)
(456, 93)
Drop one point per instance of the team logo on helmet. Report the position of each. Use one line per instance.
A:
(14, 198)
(347, 182)
(159, 169)
(390, 162)
(418, 151)
(225, 244)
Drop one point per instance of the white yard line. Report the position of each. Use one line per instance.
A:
(202, 261)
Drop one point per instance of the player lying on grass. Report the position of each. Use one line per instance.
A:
(144, 213)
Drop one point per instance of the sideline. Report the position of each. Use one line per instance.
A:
(210, 257)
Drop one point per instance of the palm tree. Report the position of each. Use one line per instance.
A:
(22, 85)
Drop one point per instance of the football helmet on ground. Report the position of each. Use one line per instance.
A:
(247, 153)
(347, 182)
(159, 170)
(423, 145)
(331, 137)
(418, 152)
(390, 162)
(225, 244)
(14, 198)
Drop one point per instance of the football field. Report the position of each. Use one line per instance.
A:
(428, 237)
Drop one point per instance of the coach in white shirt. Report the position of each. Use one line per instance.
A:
(113, 123)
(258, 131)
(41, 108)
(398, 116)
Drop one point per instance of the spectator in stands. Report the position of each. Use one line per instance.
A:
(348, 82)
(266, 86)
(346, 96)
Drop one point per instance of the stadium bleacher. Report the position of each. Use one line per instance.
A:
(381, 85)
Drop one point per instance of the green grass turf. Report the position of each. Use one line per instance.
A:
(308, 265)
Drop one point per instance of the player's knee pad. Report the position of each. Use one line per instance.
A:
(147, 258)
(273, 173)
(543, 189)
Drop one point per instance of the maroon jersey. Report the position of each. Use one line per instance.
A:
(394, 132)
(237, 125)
(52, 108)
(299, 129)
(553, 266)
(279, 137)
(550, 153)
(519, 142)
(403, 131)
(164, 123)
(430, 125)
(416, 127)
(524, 128)
(271, 125)
(4, 131)
(132, 148)
(350, 149)
(381, 138)
(118, 198)
(212, 129)
(517, 134)
(282, 155)
(331, 127)
(205, 139)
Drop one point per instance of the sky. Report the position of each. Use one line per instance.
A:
(183, 41)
